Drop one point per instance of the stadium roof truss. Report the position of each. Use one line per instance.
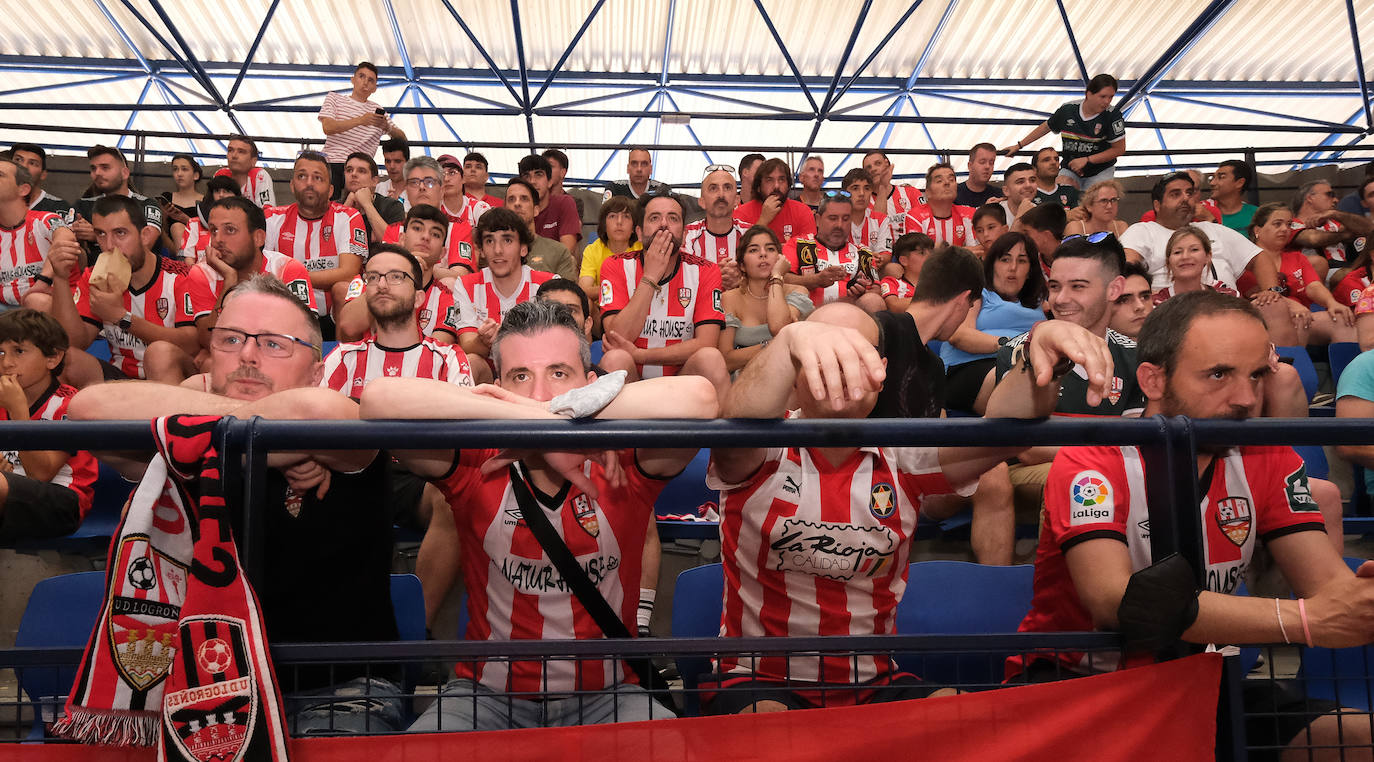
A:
(700, 80)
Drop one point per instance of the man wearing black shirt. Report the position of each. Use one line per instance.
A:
(977, 190)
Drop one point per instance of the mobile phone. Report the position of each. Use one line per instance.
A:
(381, 111)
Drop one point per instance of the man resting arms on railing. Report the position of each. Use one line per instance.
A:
(815, 541)
(597, 504)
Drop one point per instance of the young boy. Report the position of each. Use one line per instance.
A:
(908, 252)
(43, 493)
(989, 224)
(869, 229)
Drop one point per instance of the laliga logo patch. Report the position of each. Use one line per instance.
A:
(586, 515)
(1091, 499)
(606, 293)
(1233, 518)
(881, 502)
(213, 718)
(360, 237)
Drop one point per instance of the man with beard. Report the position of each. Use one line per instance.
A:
(1048, 190)
(771, 206)
(326, 531)
(423, 237)
(155, 305)
(747, 165)
(1018, 188)
(1203, 355)
(109, 177)
(392, 277)
(831, 266)
(715, 237)
(325, 236)
(661, 306)
(241, 158)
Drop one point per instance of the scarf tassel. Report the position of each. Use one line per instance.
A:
(109, 728)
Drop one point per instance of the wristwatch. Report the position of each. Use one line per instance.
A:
(127, 322)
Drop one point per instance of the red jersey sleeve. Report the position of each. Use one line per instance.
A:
(803, 222)
(196, 297)
(1294, 227)
(297, 279)
(83, 299)
(707, 308)
(1285, 499)
(615, 292)
(891, 286)
(1086, 496)
(460, 248)
(393, 233)
(357, 234)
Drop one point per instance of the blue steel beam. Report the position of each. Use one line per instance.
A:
(663, 71)
(253, 49)
(930, 45)
(876, 50)
(194, 64)
(858, 144)
(691, 132)
(167, 98)
(524, 72)
(624, 138)
(599, 99)
(180, 106)
(469, 96)
(160, 39)
(557, 67)
(1359, 62)
(74, 83)
(1073, 42)
(1241, 109)
(129, 125)
(399, 39)
(482, 51)
(123, 35)
(1175, 52)
(415, 98)
(826, 102)
(1159, 135)
(786, 55)
(442, 119)
(726, 99)
(1314, 156)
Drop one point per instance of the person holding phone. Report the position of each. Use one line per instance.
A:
(352, 123)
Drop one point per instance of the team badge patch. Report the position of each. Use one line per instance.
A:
(1091, 498)
(465, 251)
(360, 237)
(1233, 518)
(881, 500)
(1097, 128)
(1299, 492)
(806, 254)
(607, 294)
(163, 307)
(715, 300)
(1114, 396)
(143, 618)
(327, 232)
(301, 290)
(586, 515)
(684, 297)
(424, 316)
(213, 718)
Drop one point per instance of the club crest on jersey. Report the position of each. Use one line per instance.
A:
(586, 515)
(881, 502)
(1091, 498)
(143, 616)
(684, 297)
(163, 307)
(1114, 396)
(1233, 518)
(213, 718)
(327, 232)
(1097, 128)
(425, 315)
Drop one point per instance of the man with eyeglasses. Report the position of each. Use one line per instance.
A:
(326, 527)
(483, 298)
(154, 306)
(325, 236)
(456, 203)
(1232, 180)
(423, 237)
(715, 237)
(425, 185)
(1328, 237)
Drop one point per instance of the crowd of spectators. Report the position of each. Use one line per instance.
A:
(786, 298)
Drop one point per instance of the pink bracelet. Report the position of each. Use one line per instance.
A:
(1306, 630)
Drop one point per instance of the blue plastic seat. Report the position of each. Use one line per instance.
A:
(1315, 458)
(957, 597)
(61, 613)
(597, 351)
(1302, 363)
(687, 491)
(408, 602)
(1343, 675)
(697, 603)
(1339, 354)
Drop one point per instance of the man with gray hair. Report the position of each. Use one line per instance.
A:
(599, 502)
(425, 185)
(1329, 238)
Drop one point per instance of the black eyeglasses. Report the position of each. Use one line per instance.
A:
(393, 277)
(428, 183)
(717, 168)
(276, 345)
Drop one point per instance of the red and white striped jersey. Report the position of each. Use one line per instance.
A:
(458, 242)
(438, 313)
(898, 287)
(716, 249)
(257, 188)
(955, 230)
(873, 232)
(904, 198)
(22, 251)
(516, 593)
(477, 299)
(807, 256)
(352, 365)
(490, 200)
(1254, 494)
(169, 299)
(318, 243)
(472, 210)
(1335, 253)
(690, 297)
(811, 548)
(195, 241)
(79, 472)
(286, 270)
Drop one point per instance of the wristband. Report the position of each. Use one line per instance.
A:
(587, 401)
(43, 279)
(1306, 630)
(651, 283)
(1282, 630)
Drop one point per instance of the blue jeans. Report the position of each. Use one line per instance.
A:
(361, 705)
(467, 705)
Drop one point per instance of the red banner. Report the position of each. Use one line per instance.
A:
(1162, 711)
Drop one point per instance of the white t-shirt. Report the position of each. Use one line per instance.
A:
(1231, 251)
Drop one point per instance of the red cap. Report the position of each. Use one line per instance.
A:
(449, 158)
